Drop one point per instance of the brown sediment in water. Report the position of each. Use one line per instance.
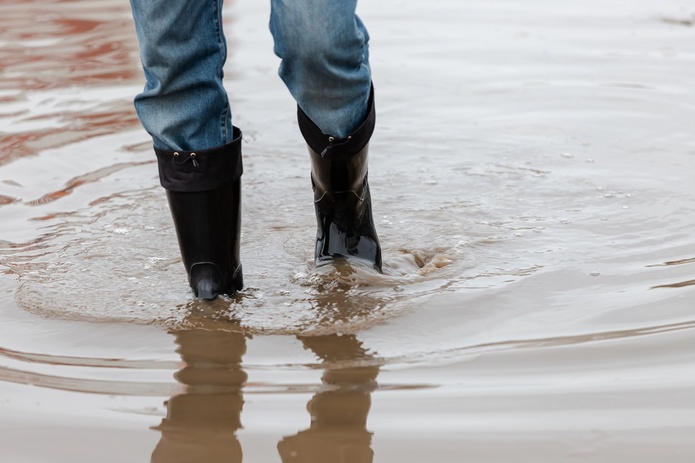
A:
(52, 45)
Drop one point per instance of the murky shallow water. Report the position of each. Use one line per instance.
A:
(532, 191)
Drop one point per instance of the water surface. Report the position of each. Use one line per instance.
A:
(531, 174)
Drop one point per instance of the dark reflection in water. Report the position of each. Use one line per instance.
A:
(338, 431)
(201, 424)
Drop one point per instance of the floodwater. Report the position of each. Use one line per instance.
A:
(532, 178)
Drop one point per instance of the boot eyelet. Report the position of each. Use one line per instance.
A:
(176, 154)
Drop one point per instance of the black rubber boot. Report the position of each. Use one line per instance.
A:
(204, 193)
(345, 227)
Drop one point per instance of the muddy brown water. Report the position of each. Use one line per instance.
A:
(532, 176)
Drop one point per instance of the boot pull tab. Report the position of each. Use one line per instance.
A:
(331, 145)
(191, 157)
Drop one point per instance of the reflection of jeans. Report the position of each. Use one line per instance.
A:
(325, 64)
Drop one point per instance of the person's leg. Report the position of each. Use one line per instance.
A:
(185, 109)
(325, 60)
(183, 50)
(325, 65)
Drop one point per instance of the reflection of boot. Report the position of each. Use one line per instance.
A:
(347, 400)
(200, 428)
(204, 193)
(201, 423)
(341, 193)
(338, 431)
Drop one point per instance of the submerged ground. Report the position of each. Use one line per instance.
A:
(532, 179)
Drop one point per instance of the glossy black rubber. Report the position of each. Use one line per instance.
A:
(208, 222)
(345, 224)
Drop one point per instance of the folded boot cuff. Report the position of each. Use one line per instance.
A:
(327, 145)
(201, 170)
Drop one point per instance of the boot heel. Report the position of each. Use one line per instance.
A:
(206, 280)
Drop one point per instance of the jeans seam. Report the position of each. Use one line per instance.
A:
(223, 52)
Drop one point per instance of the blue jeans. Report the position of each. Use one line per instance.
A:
(323, 46)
